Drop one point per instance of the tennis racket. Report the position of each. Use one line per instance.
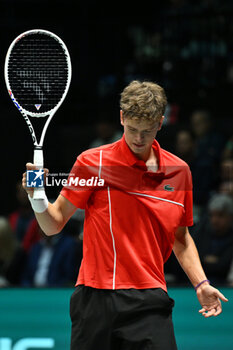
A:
(37, 75)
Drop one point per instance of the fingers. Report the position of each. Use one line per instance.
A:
(29, 190)
(213, 311)
(209, 313)
(24, 181)
(30, 166)
(221, 296)
(210, 299)
(218, 311)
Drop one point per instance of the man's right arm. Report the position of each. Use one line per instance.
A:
(54, 218)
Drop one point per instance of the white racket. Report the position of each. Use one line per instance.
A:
(37, 75)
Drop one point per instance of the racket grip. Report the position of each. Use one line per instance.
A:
(38, 160)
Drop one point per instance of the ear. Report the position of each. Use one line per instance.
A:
(121, 117)
(161, 122)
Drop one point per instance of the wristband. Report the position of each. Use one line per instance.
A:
(39, 205)
(199, 284)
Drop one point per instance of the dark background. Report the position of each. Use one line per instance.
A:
(186, 46)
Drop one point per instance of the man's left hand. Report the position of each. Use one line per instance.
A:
(209, 298)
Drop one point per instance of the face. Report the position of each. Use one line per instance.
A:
(220, 221)
(184, 143)
(226, 187)
(200, 123)
(227, 170)
(139, 135)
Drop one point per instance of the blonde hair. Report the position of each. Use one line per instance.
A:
(144, 100)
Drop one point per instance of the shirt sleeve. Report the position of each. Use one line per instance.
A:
(81, 182)
(187, 218)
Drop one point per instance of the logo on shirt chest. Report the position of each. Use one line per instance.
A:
(168, 188)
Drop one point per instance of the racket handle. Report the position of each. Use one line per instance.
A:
(38, 160)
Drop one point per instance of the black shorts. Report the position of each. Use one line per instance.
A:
(123, 319)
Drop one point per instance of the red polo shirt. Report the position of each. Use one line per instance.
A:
(130, 222)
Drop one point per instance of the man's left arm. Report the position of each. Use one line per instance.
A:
(186, 253)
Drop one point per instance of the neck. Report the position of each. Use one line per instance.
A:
(152, 162)
(146, 155)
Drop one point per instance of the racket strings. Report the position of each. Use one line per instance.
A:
(38, 72)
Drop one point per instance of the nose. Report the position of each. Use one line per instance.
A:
(139, 138)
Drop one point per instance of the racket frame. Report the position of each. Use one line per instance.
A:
(38, 158)
(23, 111)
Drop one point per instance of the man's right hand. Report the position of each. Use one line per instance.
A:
(54, 218)
(30, 166)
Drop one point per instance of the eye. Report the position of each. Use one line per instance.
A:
(131, 129)
(147, 132)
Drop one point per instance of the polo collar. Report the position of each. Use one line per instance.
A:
(134, 161)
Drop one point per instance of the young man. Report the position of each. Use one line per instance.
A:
(132, 223)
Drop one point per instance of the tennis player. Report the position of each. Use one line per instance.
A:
(132, 223)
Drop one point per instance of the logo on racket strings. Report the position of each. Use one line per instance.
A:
(38, 106)
(35, 178)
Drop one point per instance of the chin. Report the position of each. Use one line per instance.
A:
(136, 150)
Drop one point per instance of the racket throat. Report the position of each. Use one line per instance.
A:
(38, 157)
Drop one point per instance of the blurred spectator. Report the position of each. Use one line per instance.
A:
(52, 261)
(184, 146)
(8, 246)
(171, 113)
(31, 236)
(228, 149)
(226, 177)
(207, 154)
(227, 169)
(12, 256)
(106, 132)
(226, 187)
(230, 276)
(214, 238)
(21, 219)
